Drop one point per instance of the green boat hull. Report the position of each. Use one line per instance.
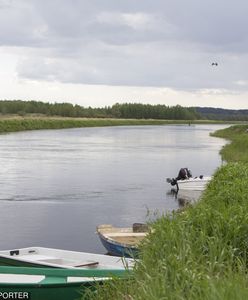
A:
(72, 291)
(54, 283)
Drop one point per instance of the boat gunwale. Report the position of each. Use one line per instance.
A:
(133, 247)
(197, 180)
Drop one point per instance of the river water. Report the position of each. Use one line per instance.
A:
(56, 186)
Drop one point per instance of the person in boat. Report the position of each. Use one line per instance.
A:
(183, 174)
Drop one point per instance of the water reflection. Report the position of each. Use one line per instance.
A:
(185, 197)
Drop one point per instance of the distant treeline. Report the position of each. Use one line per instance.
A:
(211, 113)
(122, 111)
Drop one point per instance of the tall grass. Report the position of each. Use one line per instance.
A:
(237, 150)
(200, 253)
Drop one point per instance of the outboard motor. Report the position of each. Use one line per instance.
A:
(172, 181)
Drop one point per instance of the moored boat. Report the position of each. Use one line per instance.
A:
(122, 241)
(185, 181)
(50, 284)
(194, 184)
(56, 258)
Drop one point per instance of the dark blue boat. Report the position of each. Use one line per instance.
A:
(122, 241)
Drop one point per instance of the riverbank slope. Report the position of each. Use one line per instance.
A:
(200, 253)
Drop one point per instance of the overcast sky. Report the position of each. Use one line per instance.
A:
(99, 52)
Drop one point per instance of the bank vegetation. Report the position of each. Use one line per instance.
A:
(12, 123)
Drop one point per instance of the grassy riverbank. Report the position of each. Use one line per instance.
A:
(237, 150)
(12, 124)
(202, 252)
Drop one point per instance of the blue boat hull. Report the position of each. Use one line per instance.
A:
(118, 249)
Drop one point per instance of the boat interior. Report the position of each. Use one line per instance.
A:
(62, 258)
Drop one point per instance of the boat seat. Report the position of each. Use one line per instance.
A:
(36, 257)
(70, 262)
(124, 234)
(59, 261)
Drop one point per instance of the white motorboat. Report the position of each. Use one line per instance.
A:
(185, 181)
(56, 258)
(195, 184)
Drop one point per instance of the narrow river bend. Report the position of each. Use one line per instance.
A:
(57, 185)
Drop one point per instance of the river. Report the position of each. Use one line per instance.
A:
(58, 185)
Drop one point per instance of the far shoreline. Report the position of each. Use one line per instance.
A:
(15, 123)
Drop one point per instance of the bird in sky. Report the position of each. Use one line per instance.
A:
(215, 64)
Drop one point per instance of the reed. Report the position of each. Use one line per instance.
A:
(200, 253)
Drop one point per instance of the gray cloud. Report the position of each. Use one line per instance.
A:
(147, 43)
